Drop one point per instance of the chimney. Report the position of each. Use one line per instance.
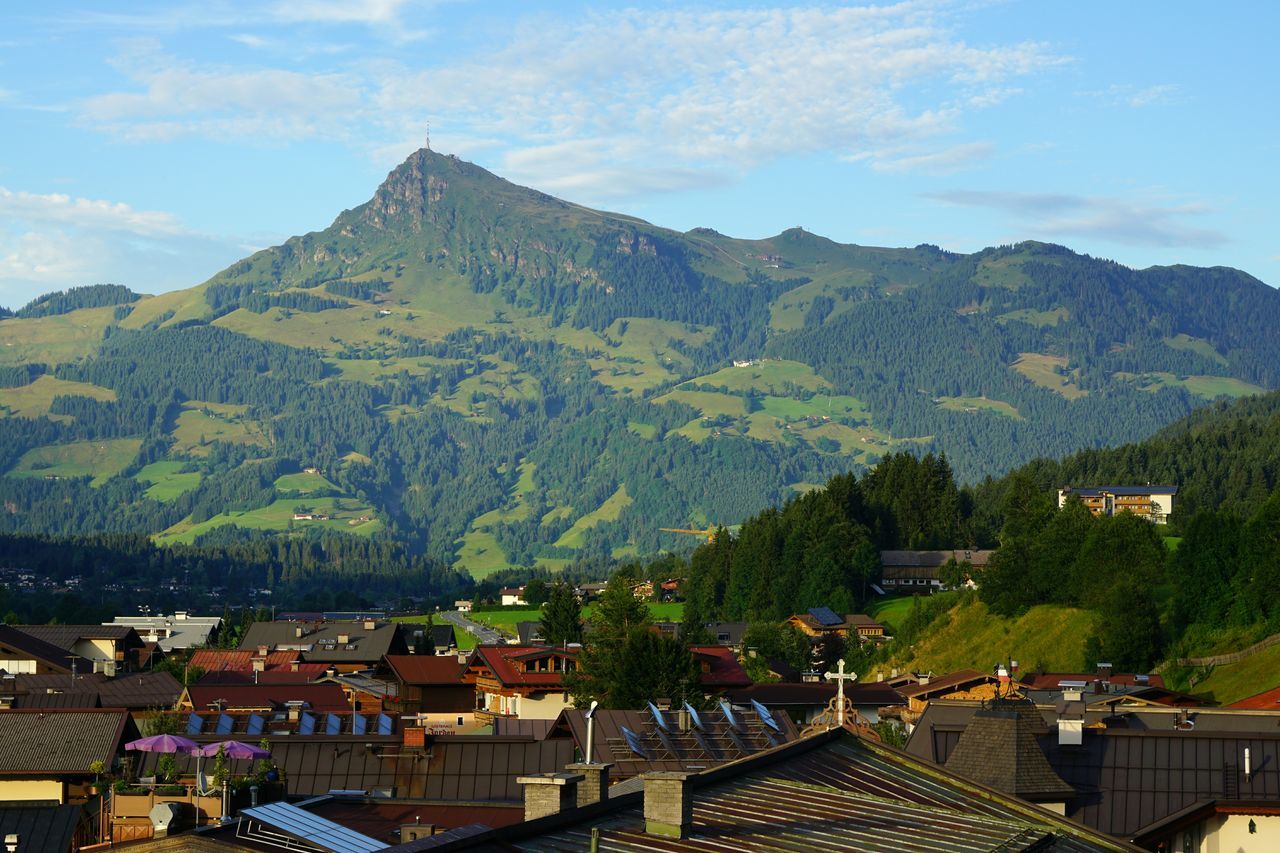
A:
(370, 625)
(343, 639)
(259, 665)
(416, 831)
(668, 804)
(263, 650)
(180, 615)
(594, 786)
(1071, 718)
(11, 842)
(1104, 671)
(549, 793)
(299, 632)
(462, 657)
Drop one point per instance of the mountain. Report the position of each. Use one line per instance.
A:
(498, 377)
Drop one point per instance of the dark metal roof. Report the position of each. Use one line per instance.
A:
(66, 636)
(75, 699)
(319, 643)
(1135, 769)
(140, 690)
(511, 727)
(49, 829)
(680, 747)
(829, 792)
(480, 768)
(59, 743)
(47, 653)
(443, 636)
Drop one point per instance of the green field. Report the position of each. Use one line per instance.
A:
(1232, 682)
(505, 620)
(167, 480)
(1043, 371)
(1209, 387)
(979, 404)
(32, 401)
(201, 423)
(98, 459)
(345, 516)
(1196, 345)
(608, 511)
(55, 339)
(304, 483)
(891, 610)
(1045, 636)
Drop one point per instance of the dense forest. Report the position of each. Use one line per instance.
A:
(495, 378)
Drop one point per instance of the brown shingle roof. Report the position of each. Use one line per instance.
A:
(58, 743)
(66, 636)
(426, 669)
(52, 656)
(999, 749)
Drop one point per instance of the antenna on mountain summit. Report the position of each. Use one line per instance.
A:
(427, 144)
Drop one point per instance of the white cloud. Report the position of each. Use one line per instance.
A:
(617, 102)
(60, 209)
(1129, 95)
(942, 162)
(1131, 222)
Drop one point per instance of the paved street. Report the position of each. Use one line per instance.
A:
(483, 633)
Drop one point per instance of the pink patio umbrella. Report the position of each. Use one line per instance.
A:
(234, 749)
(164, 743)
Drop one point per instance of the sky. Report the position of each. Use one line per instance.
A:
(152, 144)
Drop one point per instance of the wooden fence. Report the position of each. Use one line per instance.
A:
(1233, 657)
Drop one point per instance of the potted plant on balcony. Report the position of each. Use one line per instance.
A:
(97, 768)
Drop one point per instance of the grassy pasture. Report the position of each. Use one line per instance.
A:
(976, 404)
(1041, 369)
(201, 423)
(98, 459)
(54, 339)
(167, 479)
(344, 516)
(34, 400)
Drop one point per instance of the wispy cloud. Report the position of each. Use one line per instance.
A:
(53, 240)
(619, 102)
(1128, 95)
(1131, 222)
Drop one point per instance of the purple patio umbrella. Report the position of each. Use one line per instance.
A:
(164, 743)
(234, 749)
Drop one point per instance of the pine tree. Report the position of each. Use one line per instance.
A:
(562, 616)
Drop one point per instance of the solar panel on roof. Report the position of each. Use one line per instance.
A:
(825, 616)
(359, 724)
(308, 827)
(255, 725)
(332, 724)
(633, 742)
(693, 715)
(765, 716)
(727, 710)
(194, 724)
(657, 716)
(225, 723)
(307, 725)
(385, 724)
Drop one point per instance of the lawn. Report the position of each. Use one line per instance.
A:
(974, 638)
(167, 480)
(979, 404)
(1235, 681)
(32, 401)
(98, 459)
(304, 483)
(345, 515)
(891, 610)
(505, 620)
(55, 339)
(1209, 387)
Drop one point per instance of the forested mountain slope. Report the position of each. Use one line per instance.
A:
(498, 377)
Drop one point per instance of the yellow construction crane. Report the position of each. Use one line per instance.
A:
(710, 532)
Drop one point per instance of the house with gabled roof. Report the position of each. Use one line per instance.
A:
(1154, 503)
(22, 653)
(347, 646)
(46, 755)
(520, 681)
(435, 689)
(824, 622)
(110, 647)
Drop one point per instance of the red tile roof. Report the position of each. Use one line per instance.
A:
(1267, 700)
(507, 665)
(720, 667)
(426, 669)
(322, 697)
(215, 660)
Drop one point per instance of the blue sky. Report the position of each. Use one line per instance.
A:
(152, 144)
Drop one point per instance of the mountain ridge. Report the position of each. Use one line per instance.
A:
(501, 377)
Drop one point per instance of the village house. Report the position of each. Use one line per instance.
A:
(512, 597)
(823, 622)
(525, 682)
(21, 653)
(433, 689)
(110, 647)
(178, 632)
(47, 755)
(346, 646)
(920, 572)
(962, 684)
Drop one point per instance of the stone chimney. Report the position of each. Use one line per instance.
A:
(416, 831)
(343, 639)
(594, 786)
(549, 793)
(668, 804)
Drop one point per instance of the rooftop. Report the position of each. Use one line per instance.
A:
(52, 743)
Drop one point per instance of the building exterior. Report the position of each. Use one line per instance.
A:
(525, 682)
(24, 654)
(110, 647)
(1154, 503)
(47, 755)
(920, 572)
(346, 646)
(432, 688)
(177, 632)
(823, 622)
(512, 597)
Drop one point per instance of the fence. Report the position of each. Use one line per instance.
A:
(1233, 657)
